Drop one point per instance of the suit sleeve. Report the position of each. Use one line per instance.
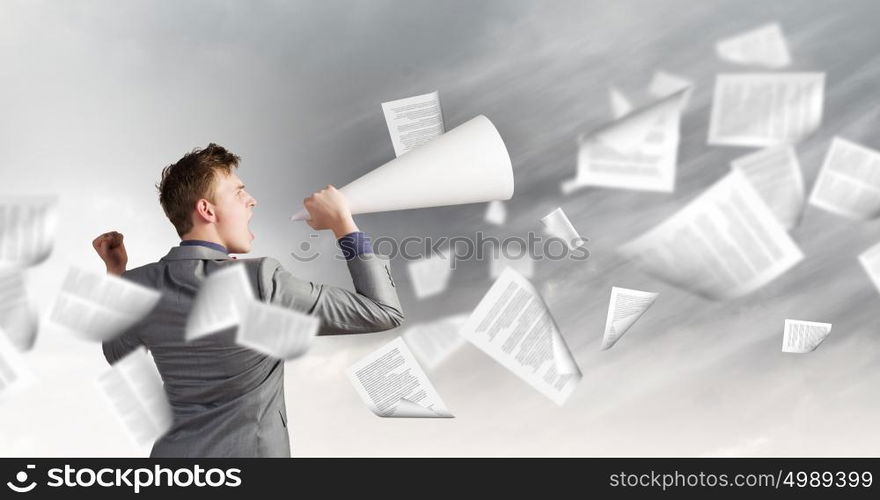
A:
(372, 307)
(116, 348)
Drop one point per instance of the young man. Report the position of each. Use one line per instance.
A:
(229, 400)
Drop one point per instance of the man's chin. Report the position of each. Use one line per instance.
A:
(242, 248)
(242, 244)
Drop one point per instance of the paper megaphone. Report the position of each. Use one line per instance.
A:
(468, 164)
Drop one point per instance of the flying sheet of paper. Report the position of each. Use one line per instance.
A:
(496, 213)
(97, 306)
(803, 336)
(762, 46)
(15, 375)
(553, 290)
(413, 121)
(513, 325)
(569, 186)
(849, 182)
(765, 109)
(524, 265)
(556, 224)
(665, 84)
(27, 230)
(723, 244)
(279, 332)
(630, 133)
(433, 342)
(134, 390)
(392, 384)
(638, 151)
(625, 307)
(870, 260)
(620, 105)
(776, 174)
(17, 318)
(430, 276)
(550, 292)
(220, 303)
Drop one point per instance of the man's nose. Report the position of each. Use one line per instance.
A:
(253, 202)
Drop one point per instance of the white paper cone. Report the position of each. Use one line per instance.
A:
(468, 164)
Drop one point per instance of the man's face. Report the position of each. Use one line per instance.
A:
(234, 208)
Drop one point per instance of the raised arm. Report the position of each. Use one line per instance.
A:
(372, 307)
(111, 249)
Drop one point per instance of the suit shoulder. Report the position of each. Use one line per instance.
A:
(143, 274)
(259, 264)
(262, 270)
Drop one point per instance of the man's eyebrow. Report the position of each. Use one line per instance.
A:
(240, 186)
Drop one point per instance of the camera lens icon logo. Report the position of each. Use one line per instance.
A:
(305, 253)
(18, 486)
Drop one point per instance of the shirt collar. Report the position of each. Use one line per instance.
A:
(202, 243)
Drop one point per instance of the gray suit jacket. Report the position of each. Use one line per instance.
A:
(228, 401)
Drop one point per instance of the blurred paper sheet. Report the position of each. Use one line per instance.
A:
(392, 384)
(276, 331)
(849, 182)
(433, 342)
(413, 121)
(513, 325)
(135, 392)
(27, 229)
(765, 109)
(762, 46)
(723, 244)
(556, 224)
(220, 303)
(803, 336)
(570, 185)
(17, 318)
(15, 375)
(665, 84)
(430, 276)
(625, 307)
(620, 105)
(553, 291)
(870, 260)
(638, 151)
(496, 213)
(776, 174)
(524, 265)
(630, 133)
(97, 306)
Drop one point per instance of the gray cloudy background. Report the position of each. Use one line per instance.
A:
(98, 96)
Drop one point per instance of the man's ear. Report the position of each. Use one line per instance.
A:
(205, 210)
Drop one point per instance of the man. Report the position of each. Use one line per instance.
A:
(229, 400)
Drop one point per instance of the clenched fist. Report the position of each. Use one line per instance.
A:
(328, 209)
(111, 249)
